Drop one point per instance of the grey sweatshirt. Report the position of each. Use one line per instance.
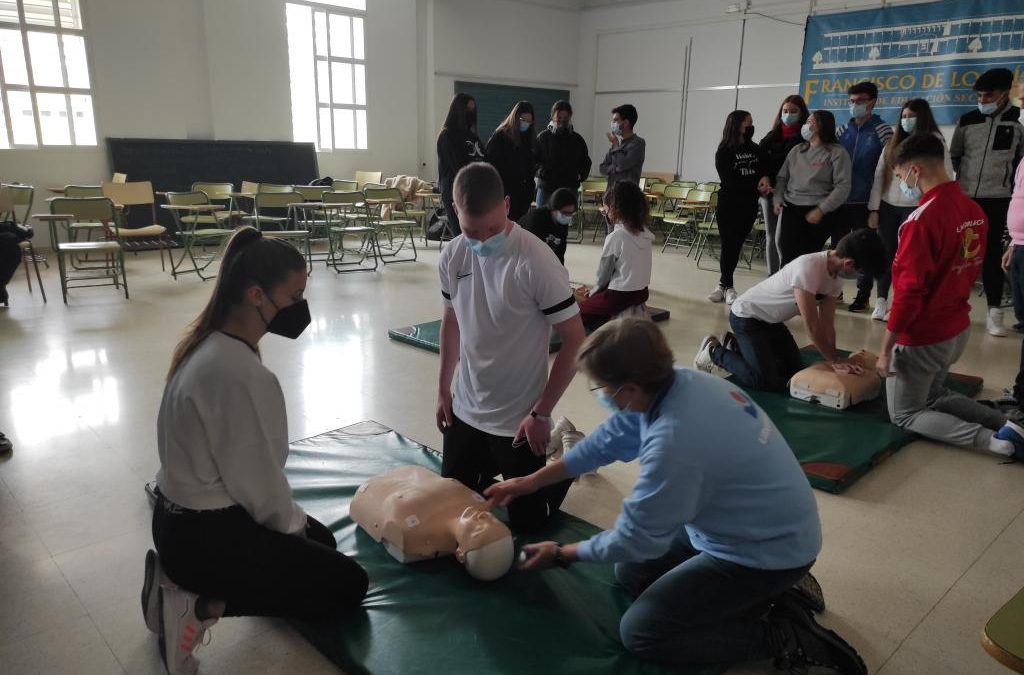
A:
(625, 161)
(815, 176)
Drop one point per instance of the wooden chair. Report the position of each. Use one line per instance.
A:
(364, 177)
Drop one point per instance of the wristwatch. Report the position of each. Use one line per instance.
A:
(560, 560)
(537, 415)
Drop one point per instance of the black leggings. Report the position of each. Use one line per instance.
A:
(890, 218)
(474, 457)
(992, 270)
(735, 220)
(10, 258)
(226, 555)
(796, 236)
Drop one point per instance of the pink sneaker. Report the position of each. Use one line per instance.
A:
(181, 631)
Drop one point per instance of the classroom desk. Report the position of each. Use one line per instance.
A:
(1003, 637)
(189, 235)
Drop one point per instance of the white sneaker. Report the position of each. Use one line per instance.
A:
(181, 631)
(730, 296)
(152, 581)
(995, 323)
(703, 360)
(881, 311)
(718, 295)
(556, 446)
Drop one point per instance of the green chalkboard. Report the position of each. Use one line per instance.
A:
(495, 101)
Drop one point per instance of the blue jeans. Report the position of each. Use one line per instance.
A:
(1017, 281)
(767, 358)
(691, 607)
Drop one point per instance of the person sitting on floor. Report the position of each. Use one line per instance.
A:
(940, 254)
(230, 538)
(761, 353)
(551, 222)
(721, 523)
(624, 272)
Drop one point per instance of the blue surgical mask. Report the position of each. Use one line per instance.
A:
(562, 218)
(789, 119)
(858, 110)
(608, 402)
(486, 249)
(616, 128)
(524, 127)
(988, 108)
(911, 192)
(805, 132)
(908, 124)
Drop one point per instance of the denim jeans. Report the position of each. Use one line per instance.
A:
(1017, 281)
(691, 607)
(768, 354)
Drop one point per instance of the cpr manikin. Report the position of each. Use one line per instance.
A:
(418, 515)
(820, 384)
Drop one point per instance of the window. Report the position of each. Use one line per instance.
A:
(327, 70)
(44, 77)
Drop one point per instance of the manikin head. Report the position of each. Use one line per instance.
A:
(484, 544)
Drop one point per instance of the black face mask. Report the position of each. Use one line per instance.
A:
(748, 133)
(290, 321)
(562, 129)
(471, 118)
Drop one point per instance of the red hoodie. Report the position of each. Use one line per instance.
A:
(941, 249)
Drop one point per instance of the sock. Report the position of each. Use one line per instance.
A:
(202, 609)
(1001, 447)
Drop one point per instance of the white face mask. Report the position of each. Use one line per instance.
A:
(562, 218)
(805, 132)
(858, 110)
(911, 192)
(908, 124)
(988, 108)
(616, 128)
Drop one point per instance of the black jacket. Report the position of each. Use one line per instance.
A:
(563, 158)
(540, 222)
(455, 149)
(774, 149)
(516, 166)
(740, 170)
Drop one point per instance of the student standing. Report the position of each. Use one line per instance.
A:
(940, 253)
(510, 151)
(624, 160)
(738, 162)
(230, 539)
(457, 146)
(624, 272)
(765, 355)
(988, 144)
(550, 223)
(888, 206)
(864, 138)
(775, 147)
(721, 522)
(503, 292)
(561, 155)
(813, 182)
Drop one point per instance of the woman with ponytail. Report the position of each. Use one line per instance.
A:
(230, 539)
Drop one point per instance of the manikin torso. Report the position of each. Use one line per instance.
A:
(418, 515)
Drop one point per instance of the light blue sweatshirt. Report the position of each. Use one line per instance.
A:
(713, 467)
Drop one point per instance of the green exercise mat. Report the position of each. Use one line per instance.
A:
(835, 448)
(428, 335)
(432, 617)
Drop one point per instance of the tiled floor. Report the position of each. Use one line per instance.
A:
(917, 554)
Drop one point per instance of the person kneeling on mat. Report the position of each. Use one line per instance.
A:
(721, 523)
(940, 253)
(761, 353)
(230, 539)
(624, 272)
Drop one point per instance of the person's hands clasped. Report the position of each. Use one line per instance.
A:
(844, 367)
(873, 220)
(778, 209)
(444, 411)
(536, 432)
(764, 186)
(507, 491)
(814, 216)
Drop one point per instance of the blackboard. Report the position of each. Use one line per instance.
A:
(173, 165)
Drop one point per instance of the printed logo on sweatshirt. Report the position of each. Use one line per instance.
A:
(748, 405)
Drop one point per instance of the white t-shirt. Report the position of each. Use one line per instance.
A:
(222, 435)
(505, 305)
(773, 300)
(632, 254)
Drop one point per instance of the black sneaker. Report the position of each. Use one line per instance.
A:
(807, 592)
(859, 304)
(5, 444)
(799, 642)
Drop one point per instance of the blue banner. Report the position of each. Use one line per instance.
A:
(933, 51)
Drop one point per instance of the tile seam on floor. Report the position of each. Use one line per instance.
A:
(931, 610)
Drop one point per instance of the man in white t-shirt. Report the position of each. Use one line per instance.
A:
(763, 353)
(504, 290)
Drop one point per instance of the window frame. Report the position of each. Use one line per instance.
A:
(32, 89)
(349, 13)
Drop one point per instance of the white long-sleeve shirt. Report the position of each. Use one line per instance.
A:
(891, 193)
(222, 434)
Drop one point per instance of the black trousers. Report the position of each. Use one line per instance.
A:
(735, 218)
(850, 217)
(226, 555)
(890, 218)
(10, 258)
(474, 457)
(992, 270)
(796, 236)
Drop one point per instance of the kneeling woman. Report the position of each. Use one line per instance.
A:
(624, 272)
(721, 521)
(231, 539)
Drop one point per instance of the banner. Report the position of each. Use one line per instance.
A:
(933, 51)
